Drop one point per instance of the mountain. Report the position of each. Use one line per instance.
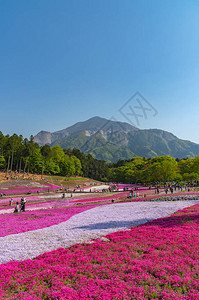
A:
(89, 127)
(111, 140)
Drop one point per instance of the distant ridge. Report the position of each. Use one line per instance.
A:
(111, 140)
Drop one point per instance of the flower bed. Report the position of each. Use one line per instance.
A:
(26, 189)
(52, 201)
(134, 264)
(105, 198)
(44, 214)
(33, 220)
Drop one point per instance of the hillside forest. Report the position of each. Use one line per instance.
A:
(18, 154)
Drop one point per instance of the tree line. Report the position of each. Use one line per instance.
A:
(152, 170)
(24, 155)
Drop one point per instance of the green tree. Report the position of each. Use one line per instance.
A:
(46, 152)
(2, 162)
(190, 177)
(36, 161)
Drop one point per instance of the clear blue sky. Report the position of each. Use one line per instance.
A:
(66, 61)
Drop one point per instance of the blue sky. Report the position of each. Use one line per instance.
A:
(66, 61)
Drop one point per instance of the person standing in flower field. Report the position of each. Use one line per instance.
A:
(21, 204)
(10, 202)
(16, 208)
(24, 203)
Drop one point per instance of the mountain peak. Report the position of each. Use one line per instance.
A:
(91, 126)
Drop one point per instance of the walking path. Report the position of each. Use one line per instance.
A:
(85, 226)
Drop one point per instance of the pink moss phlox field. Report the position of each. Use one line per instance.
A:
(105, 198)
(33, 220)
(26, 189)
(31, 202)
(157, 260)
(36, 201)
(44, 214)
(90, 198)
(29, 199)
